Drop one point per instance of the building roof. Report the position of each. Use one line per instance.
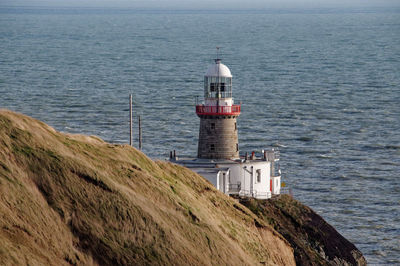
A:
(218, 70)
(214, 163)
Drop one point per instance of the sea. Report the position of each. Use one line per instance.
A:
(320, 85)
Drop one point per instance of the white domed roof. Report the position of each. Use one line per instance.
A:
(218, 70)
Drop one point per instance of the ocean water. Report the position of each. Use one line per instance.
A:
(323, 86)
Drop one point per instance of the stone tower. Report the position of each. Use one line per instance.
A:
(218, 136)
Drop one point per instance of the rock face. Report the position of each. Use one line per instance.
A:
(73, 199)
(218, 137)
(314, 241)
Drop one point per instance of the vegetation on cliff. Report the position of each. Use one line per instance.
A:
(72, 199)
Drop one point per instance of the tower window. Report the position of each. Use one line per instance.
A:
(237, 146)
(235, 126)
(222, 87)
(212, 125)
(212, 147)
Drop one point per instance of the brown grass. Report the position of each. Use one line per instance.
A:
(72, 199)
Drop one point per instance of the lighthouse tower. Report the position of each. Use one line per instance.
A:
(218, 151)
(218, 136)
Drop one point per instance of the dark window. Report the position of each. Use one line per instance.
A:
(222, 86)
(212, 125)
(258, 175)
(212, 147)
(235, 126)
(213, 87)
(237, 147)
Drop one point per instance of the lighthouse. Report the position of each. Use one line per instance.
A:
(218, 159)
(218, 134)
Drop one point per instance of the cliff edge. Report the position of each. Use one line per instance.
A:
(315, 242)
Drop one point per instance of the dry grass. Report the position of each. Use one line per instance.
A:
(72, 199)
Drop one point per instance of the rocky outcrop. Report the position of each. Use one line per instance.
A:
(314, 241)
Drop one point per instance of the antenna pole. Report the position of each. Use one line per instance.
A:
(130, 119)
(140, 133)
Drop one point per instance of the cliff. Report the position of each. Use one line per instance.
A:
(315, 242)
(73, 199)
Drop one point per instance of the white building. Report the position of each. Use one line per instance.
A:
(255, 177)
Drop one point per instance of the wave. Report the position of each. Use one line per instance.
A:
(381, 147)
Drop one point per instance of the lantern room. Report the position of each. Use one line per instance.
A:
(218, 98)
(218, 81)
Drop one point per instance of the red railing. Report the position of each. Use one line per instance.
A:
(218, 110)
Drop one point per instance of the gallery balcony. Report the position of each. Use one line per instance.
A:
(233, 110)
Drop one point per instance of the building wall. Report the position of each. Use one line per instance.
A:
(263, 187)
(218, 138)
(246, 174)
(276, 185)
(223, 181)
(212, 177)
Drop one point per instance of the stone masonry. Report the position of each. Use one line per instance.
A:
(218, 137)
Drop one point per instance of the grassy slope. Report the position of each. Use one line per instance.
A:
(71, 199)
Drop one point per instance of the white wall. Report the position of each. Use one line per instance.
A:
(264, 186)
(276, 185)
(246, 174)
(223, 181)
(221, 102)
